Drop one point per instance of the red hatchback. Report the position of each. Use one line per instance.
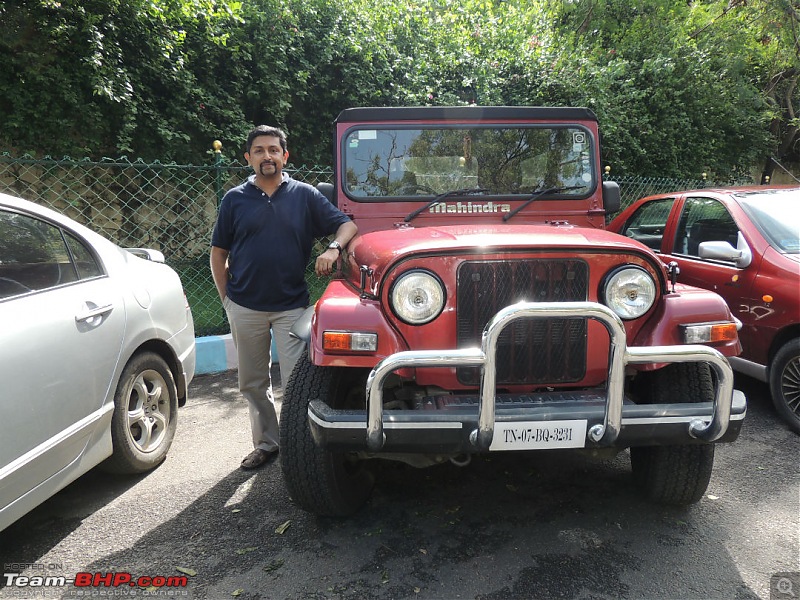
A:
(744, 244)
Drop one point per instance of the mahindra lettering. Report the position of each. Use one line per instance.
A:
(483, 308)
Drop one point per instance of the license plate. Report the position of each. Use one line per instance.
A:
(539, 435)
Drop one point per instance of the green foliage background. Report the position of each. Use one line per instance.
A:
(679, 87)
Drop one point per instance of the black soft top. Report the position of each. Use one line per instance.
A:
(465, 113)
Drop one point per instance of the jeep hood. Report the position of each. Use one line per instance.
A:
(380, 249)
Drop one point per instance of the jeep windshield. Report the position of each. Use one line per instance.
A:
(409, 163)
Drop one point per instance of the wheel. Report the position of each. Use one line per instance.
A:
(676, 475)
(320, 481)
(784, 383)
(145, 415)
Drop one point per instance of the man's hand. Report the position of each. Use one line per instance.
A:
(326, 262)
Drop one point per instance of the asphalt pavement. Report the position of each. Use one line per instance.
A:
(538, 525)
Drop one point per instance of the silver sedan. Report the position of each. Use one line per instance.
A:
(96, 353)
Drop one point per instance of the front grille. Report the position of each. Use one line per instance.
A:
(534, 350)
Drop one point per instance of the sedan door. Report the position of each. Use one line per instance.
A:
(62, 323)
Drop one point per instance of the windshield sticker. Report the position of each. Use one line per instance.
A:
(368, 134)
(469, 207)
(578, 141)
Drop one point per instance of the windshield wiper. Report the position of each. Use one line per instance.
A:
(444, 196)
(539, 194)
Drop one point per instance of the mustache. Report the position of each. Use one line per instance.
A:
(267, 163)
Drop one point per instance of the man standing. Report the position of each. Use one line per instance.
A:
(260, 247)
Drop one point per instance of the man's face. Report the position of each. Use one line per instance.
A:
(266, 156)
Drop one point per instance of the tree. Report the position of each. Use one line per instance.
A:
(108, 76)
(679, 88)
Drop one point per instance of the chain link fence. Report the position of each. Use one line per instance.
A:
(168, 207)
(172, 208)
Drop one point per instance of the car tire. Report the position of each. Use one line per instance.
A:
(784, 383)
(322, 482)
(676, 475)
(145, 415)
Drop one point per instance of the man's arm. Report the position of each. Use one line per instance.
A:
(327, 260)
(219, 270)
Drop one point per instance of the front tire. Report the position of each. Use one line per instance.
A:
(145, 415)
(325, 483)
(784, 383)
(675, 475)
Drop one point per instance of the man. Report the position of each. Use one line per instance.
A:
(260, 247)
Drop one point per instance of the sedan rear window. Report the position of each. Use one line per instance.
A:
(36, 255)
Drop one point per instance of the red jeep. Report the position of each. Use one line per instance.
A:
(483, 307)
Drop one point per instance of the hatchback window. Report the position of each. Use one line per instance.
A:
(776, 213)
(34, 256)
(647, 224)
(704, 220)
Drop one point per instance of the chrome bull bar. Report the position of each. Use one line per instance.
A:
(619, 356)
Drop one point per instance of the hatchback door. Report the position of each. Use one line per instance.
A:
(707, 219)
(62, 322)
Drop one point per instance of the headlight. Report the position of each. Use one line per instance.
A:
(629, 292)
(417, 297)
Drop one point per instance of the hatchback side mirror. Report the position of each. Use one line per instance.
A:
(741, 256)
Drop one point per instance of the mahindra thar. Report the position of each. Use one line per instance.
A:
(483, 308)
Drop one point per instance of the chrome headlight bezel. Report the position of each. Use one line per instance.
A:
(630, 291)
(417, 297)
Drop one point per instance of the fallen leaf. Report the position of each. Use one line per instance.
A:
(713, 497)
(282, 529)
(237, 592)
(274, 565)
(423, 551)
(417, 590)
(189, 572)
(237, 510)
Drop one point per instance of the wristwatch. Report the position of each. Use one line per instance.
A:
(335, 246)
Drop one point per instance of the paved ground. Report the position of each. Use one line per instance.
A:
(506, 527)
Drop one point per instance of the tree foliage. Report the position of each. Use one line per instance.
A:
(680, 88)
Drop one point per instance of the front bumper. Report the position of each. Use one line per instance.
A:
(605, 418)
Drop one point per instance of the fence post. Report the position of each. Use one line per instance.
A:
(217, 145)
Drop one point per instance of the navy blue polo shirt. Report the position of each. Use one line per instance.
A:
(269, 240)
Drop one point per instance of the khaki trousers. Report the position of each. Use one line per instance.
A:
(252, 332)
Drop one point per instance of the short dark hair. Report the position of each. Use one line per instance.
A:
(266, 130)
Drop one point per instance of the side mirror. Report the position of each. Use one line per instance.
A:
(327, 190)
(612, 199)
(741, 256)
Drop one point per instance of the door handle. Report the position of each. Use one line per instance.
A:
(94, 312)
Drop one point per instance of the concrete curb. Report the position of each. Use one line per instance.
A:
(216, 353)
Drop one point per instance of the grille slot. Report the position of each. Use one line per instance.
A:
(529, 351)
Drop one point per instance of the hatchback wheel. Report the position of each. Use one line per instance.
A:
(145, 415)
(784, 383)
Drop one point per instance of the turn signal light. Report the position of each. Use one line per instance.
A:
(349, 341)
(709, 333)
